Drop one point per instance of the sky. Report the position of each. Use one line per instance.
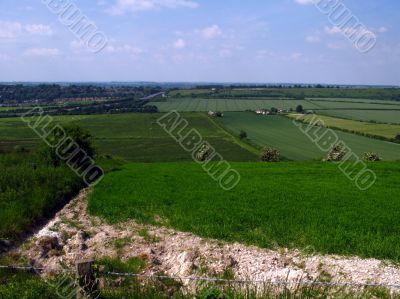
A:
(260, 41)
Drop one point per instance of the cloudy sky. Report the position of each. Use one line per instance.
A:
(199, 40)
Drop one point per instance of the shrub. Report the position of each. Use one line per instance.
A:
(204, 153)
(398, 137)
(270, 155)
(372, 157)
(299, 109)
(242, 135)
(336, 154)
(80, 136)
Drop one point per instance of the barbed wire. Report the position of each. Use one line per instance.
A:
(214, 279)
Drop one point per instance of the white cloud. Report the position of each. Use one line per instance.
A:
(179, 44)
(313, 38)
(42, 52)
(296, 56)
(125, 6)
(305, 2)
(211, 32)
(336, 46)
(125, 49)
(10, 29)
(382, 29)
(15, 29)
(348, 31)
(225, 53)
(38, 29)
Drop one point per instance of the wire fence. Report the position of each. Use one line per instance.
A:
(217, 280)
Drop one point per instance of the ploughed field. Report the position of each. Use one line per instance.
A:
(288, 204)
(281, 133)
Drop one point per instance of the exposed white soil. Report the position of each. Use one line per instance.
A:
(73, 235)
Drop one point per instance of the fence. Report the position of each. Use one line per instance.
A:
(86, 279)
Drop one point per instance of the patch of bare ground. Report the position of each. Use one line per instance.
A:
(74, 235)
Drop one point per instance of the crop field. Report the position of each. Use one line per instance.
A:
(188, 105)
(280, 132)
(135, 137)
(243, 104)
(388, 131)
(387, 94)
(284, 204)
(380, 116)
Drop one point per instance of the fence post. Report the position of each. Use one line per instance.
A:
(87, 285)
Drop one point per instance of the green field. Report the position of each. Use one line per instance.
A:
(29, 194)
(385, 94)
(189, 105)
(243, 104)
(134, 137)
(388, 131)
(379, 116)
(284, 204)
(280, 132)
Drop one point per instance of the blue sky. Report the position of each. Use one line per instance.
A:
(200, 40)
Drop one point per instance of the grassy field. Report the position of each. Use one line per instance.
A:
(189, 105)
(280, 132)
(383, 130)
(379, 116)
(28, 194)
(355, 93)
(243, 104)
(135, 137)
(285, 204)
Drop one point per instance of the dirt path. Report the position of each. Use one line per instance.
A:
(73, 235)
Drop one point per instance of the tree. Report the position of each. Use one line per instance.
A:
(299, 109)
(336, 154)
(398, 137)
(270, 155)
(81, 137)
(242, 135)
(204, 153)
(371, 157)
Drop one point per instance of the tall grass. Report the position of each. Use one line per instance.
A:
(30, 190)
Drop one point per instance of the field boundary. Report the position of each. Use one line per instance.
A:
(368, 135)
(246, 145)
(286, 283)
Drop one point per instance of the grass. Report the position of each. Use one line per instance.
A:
(376, 94)
(134, 137)
(280, 132)
(284, 204)
(387, 131)
(380, 116)
(17, 285)
(189, 105)
(28, 193)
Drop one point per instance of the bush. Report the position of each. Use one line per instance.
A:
(80, 136)
(372, 157)
(270, 155)
(242, 135)
(398, 137)
(299, 109)
(336, 154)
(204, 153)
